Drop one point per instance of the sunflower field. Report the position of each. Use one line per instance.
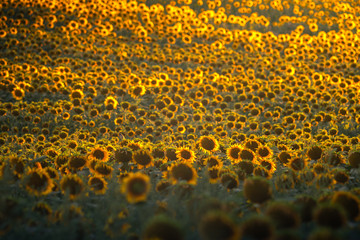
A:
(180, 120)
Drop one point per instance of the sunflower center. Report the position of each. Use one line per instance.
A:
(185, 154)
(208, 144)
(137, 187)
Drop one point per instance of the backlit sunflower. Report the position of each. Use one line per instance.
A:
(38, 182)
(233, 153)
(185, 154)
(208, 144)
(99, 153)
(264, 152)
(182, 171)
(142, 158)
(18, 93)
(136, 187)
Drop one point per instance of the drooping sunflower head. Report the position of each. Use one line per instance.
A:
(182, 171)
(99, 153)
(185, 154)
(136, 187)
(103, 169)
(142, 158)
(208, 144)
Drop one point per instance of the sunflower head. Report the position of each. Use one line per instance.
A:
(100, 154)
(77, 162)
(257, 227)
(72, 184)
(97, 184)
(143, 158)
(208, 144)
(182, 171)
(349, 202)
(38, 182)
(233, 153)
(217, 225)
(162, 227)
(283, 215)
(185, 154)
(257, 189)
(136, 187)
(329, 215)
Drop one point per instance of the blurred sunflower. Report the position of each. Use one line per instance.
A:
(136, 187)
(72, 185)
(38, 182)
(97, 184)
(182, 171)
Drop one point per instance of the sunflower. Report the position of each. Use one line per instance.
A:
(97, 184)
(214, 174)
(213, 161)
(229, 180)
(142, 158)
(110, 101)
(185, 154)
(72, 185)
(264, 152)
(217, 225)
(77, 163)
(18, 93)
(99, 153)
(38, 182)
(257, 189)
(182, 171)
(268, 164)
(297, 163)
(102, 169)
(137, 91)
(208, 144)
(233, 153)
(162, 227)
(136, 187)
(247, 154)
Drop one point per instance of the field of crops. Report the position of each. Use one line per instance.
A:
(181, 120)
